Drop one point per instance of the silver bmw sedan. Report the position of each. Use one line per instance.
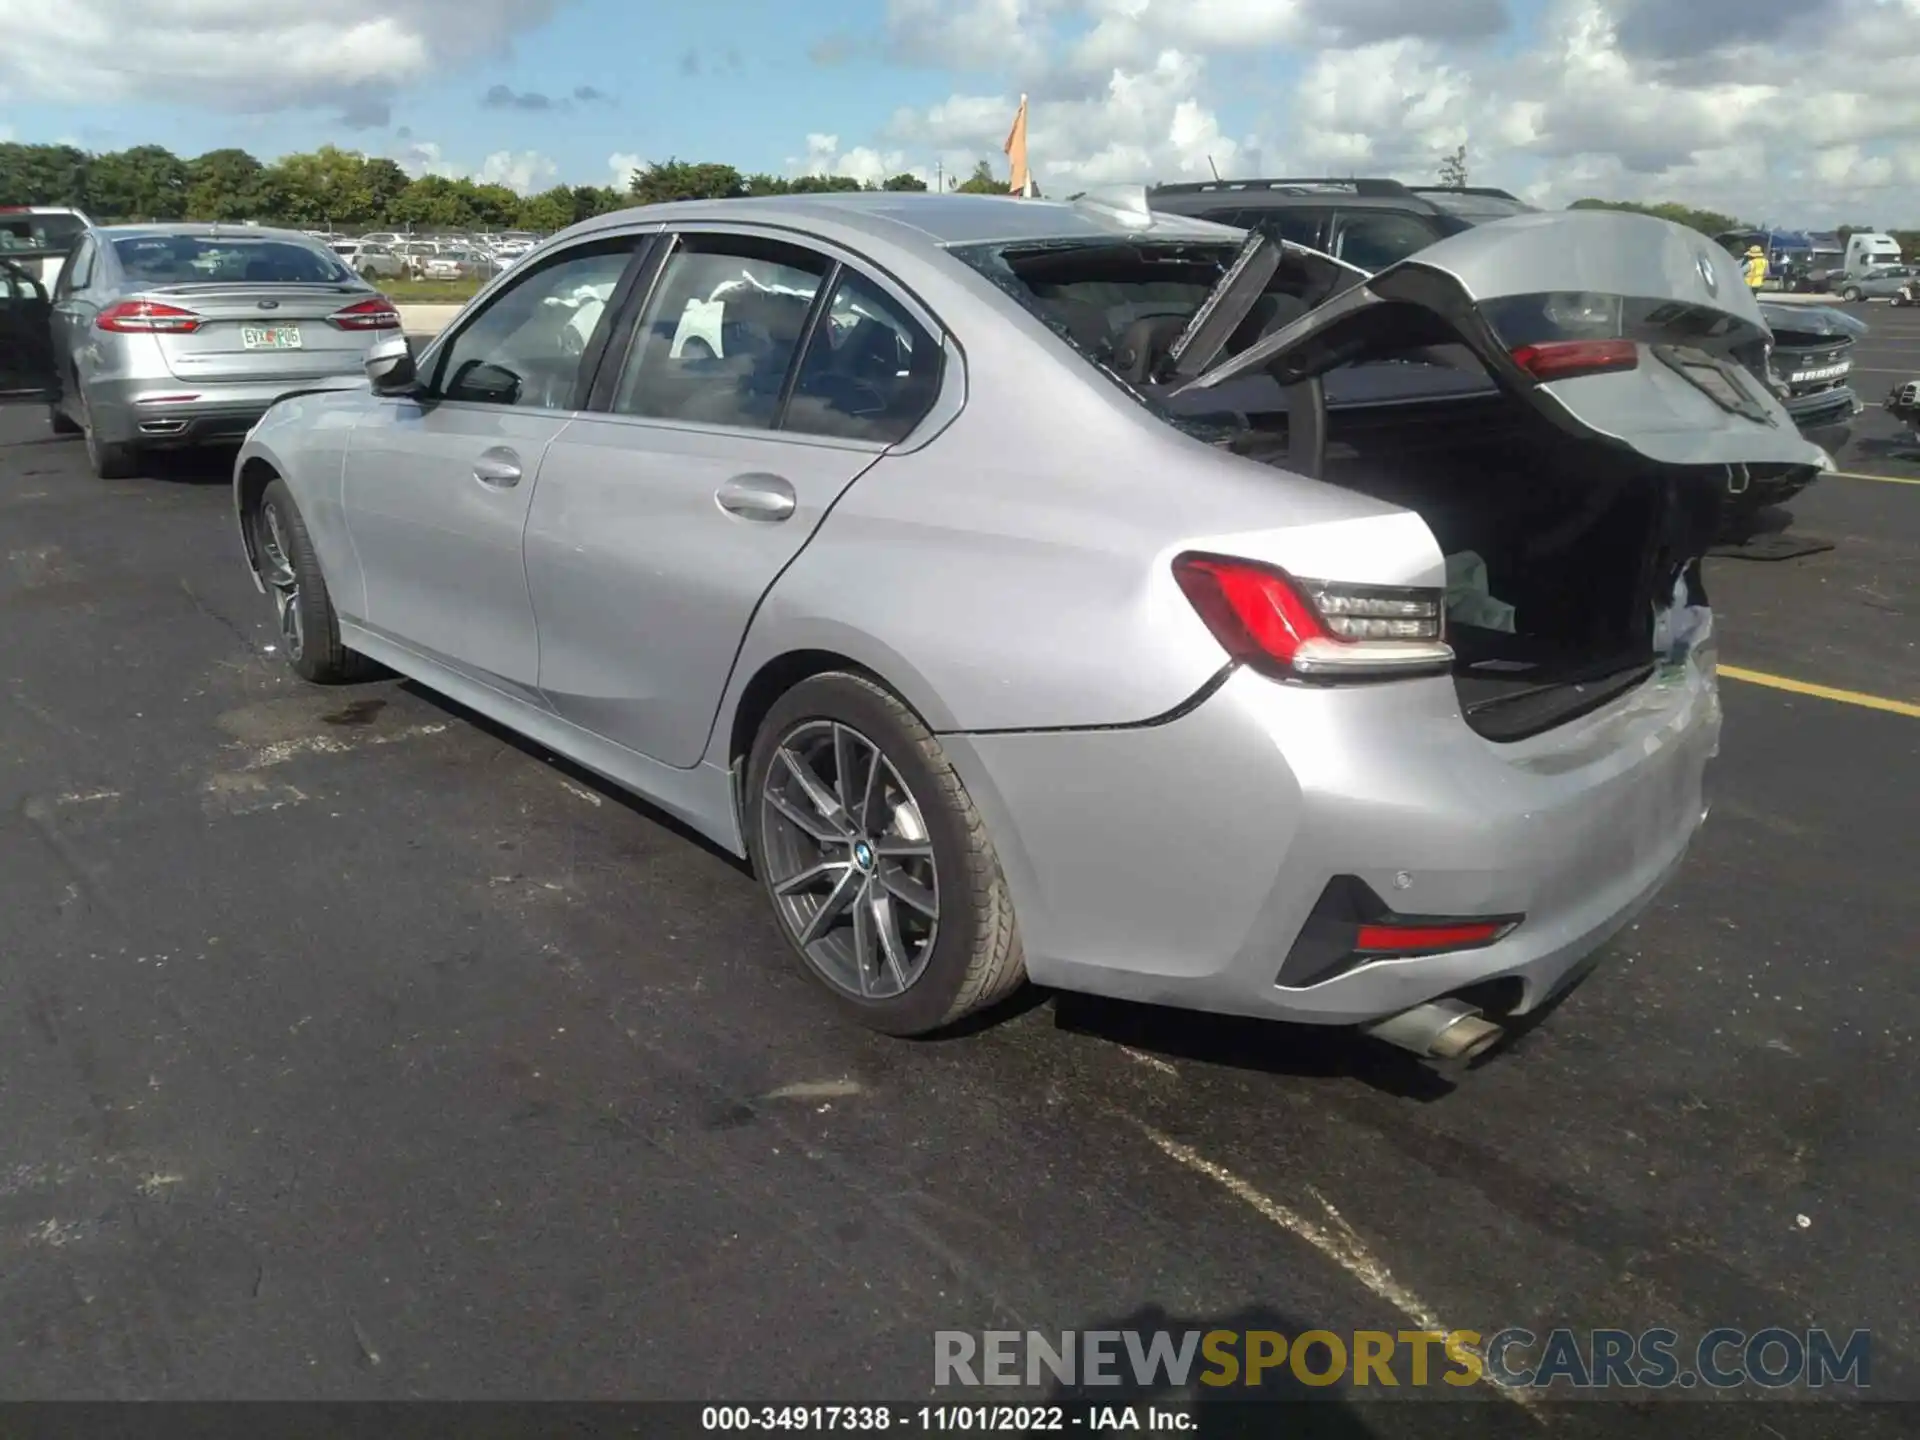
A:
(1061, 591)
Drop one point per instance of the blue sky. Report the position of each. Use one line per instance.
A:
(1801, 111)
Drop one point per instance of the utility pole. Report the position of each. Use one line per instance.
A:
(1213, 167)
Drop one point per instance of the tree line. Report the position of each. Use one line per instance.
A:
(345, 190)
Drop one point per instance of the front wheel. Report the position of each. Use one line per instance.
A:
(309, 628)
(880, 871)
(1851, 295)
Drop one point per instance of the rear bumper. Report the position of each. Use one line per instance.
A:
(1176, 864)
(161, 413)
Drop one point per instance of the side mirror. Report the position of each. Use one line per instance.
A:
(389, 366)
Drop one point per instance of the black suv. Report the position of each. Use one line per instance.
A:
(1372, 224)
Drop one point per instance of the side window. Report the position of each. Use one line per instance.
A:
(1302, 227)
(871, 372)
(720, 331)
(526, 347)
(1373, 240)
(77, 273)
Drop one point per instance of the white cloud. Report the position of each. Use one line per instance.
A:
(864, 163)
(1804, 112)
(620, 167)
(350, 56)
(524, 173)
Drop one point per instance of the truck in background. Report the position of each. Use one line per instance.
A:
(38, 237)
(1869, 250)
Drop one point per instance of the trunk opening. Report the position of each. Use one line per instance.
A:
(1580, 546)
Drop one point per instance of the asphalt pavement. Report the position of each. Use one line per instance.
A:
(352, 1048)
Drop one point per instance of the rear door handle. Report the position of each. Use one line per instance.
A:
(757, 497)
(498, 468)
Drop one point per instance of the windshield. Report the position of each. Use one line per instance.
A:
(39, 232)
(202, 259)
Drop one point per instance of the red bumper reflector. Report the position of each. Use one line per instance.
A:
(1567, 359)
(1415, 939)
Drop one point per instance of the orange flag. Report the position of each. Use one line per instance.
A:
(1020, 182)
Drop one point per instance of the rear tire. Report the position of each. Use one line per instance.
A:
(309, 628)
(880, 827)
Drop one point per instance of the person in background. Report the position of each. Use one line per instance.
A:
(1756, 267)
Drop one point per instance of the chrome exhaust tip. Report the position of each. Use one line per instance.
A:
(162, 427)
(1439, 1030)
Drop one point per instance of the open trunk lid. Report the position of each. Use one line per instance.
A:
(1639, 346)
(1620, 328)
(265, 331)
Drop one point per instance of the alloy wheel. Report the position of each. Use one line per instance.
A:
(283, 580)
(849, 860)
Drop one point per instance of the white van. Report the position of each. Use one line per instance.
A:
(1869, 251)
(47, 230)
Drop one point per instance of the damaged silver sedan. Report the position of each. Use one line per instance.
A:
(1058, 591)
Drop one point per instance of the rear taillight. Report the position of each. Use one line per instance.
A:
(1314, 629)
(1426, 937)
(374, 314)
(1567, 359)
(146, 317)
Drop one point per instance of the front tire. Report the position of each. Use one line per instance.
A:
(309, 628)
(1850, 295)
(880, 872)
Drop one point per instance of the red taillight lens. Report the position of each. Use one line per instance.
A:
(375, 314)
(1566, 359)
(1283, 627)
(145, 317)
(1379, 940)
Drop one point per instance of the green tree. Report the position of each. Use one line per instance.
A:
(903, 182)
(1707, 222)
(435, 202)
(822, 184)
(385, 183)
(326, 186)
(495, 207)
(43, 175)
(662, 181)
(1453, 167)
(147, 182)
(223, 185)
(592, 200)
(548, 211)
(982, 181)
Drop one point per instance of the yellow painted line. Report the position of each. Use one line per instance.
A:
(1823, 692)
(1883, 479)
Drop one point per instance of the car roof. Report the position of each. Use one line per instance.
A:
(203, 230)
(917, 220)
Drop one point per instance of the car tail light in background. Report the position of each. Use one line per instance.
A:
(147, 317)
(1314, 629)
(374, 314)
(1568, 359)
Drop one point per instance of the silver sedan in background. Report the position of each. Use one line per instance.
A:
(174, 335)
(1071, 592)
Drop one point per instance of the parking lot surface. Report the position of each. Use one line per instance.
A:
(350, 1048)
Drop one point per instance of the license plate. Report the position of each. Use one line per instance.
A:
(1823, 372)
(270, 337)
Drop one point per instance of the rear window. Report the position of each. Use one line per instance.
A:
(39, 232)
(199, 259)
(1094, 292)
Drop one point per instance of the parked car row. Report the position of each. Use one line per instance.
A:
(385, 255)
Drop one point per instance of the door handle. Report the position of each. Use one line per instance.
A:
(757, 497)
(497, 469)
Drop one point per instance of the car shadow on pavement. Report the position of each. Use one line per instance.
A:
(1900, 449)
(190, 467)
(1322, 1052)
